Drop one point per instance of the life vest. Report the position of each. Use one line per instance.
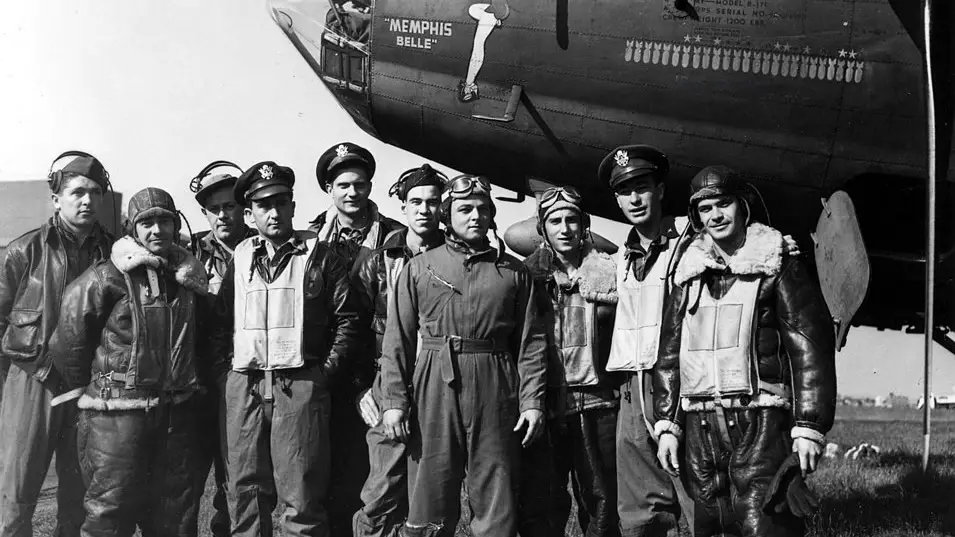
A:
(716, 344)
(636, 330)
(575, 338)
(269, 316)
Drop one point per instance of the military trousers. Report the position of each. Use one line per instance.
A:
(728, 478)
(213, 454)
(139, 466)
(33, 431)
(350, 456)
(278, 438)
(385, 492)
(584, 447)
(463, 432)
(648, 502)
(536, 496)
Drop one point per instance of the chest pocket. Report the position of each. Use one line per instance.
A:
(438, 295)
(270, 308)
(573, 327)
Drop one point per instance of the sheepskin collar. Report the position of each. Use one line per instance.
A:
(128, 255)
(762, 253)
(596, 277)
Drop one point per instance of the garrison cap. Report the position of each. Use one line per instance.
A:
(205, 183)
(263, 180)
(79, 163)
(424, 175)
(338, 154)
(630, 161)
(148, 202)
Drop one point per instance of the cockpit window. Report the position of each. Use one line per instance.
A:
(351, 18)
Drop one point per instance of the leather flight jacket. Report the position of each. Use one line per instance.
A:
(375, 277)
(127, 331)
(793, 342)
(31, 288)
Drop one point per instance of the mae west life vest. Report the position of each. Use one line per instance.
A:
(636, 330)
(716, 344)
(269, 317)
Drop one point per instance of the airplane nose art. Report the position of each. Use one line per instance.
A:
(522, 238)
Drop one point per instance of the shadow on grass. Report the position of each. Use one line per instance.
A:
(888, 496)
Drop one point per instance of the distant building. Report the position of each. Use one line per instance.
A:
(899, 401)
(24, 205)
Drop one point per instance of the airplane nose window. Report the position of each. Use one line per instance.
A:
(351, 18)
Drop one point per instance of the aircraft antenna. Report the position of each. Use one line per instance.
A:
(930, 232)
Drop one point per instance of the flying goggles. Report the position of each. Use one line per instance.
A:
(463, 186)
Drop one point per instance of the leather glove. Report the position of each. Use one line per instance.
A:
(788, 491)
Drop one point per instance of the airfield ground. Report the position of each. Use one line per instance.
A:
(883, 497)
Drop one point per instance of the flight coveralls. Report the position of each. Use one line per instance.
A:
(746, 364)
(290, 322)
(481, 363)
(385, 493)
(649, 502)
(582, 398)
(348, 445)
(36, 269)
(126, 336)
(215, 257)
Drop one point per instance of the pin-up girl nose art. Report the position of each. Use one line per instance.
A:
(488, 17)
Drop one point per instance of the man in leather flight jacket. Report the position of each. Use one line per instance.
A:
(746, 370)
(289, 320)
(352, 228)
(36, 269)
(126, 340)
(385, 493)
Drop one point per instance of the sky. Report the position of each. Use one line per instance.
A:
(157, 93)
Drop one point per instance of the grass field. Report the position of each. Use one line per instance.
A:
(886, 497)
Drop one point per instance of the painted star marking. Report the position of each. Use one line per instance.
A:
(805, 50)
(786, 47)
(777, 46)
(717, 41)
(686, 38)
(698, 39)
(842, 53)
(853, 54)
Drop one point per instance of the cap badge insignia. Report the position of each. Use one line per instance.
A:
(266, 172)
(341, 150)
(622, 158)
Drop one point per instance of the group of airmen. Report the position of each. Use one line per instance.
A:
(357, 374)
